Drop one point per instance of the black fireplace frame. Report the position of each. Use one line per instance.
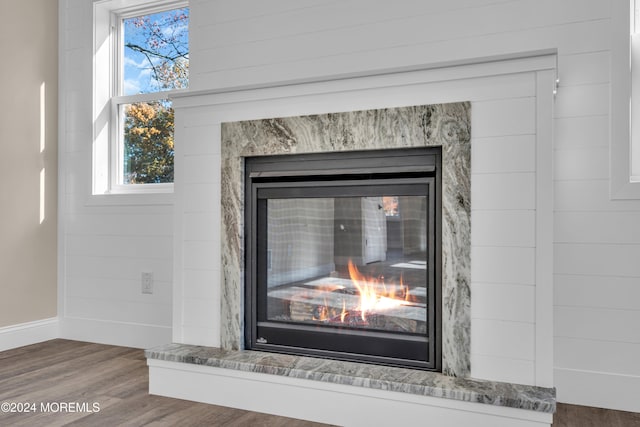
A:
(406, 171)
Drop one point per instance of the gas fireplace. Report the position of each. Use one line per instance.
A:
(343, 255)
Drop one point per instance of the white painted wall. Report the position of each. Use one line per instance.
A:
(250, 42)
(104, 246)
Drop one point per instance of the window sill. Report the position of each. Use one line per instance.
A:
(131, 199)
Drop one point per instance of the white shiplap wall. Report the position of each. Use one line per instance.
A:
(503, 344)
(104, 248)
(251, 42)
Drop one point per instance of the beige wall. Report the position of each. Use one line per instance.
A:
(28, 225)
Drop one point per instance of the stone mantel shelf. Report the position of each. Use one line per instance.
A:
(401, 380)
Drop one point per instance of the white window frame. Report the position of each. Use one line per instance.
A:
(108, 52)
(624, 156)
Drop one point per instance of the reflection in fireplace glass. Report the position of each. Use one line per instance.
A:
(349, 262)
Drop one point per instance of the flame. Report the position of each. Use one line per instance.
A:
(374, 295)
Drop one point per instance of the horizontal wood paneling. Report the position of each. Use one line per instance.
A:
(516, 371)
(503, 228)
(581, 164)
(104, 248)
(491, 264)
(582, 132)
(201, 226)
(201, 253)
(511, 340)
(584, 68)
(118, 289)
(572, 38)
(203, 284)
(597, 227)
(514, 191)
(503, 301)
(199, 198)
(582, 100)
(382, 32)
(612, 292)
(589, 195)
(199, 139)
(120, 246)
(503, 154)
(605, 390)
(217, 11)
(602, 324)
(199, 168)
(126, 268)
(101, 222)
(590, 354)
(152, 313)
(200, 313)
(504, 117)
(597, 259)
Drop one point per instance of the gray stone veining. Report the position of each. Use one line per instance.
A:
(401, 380)
(447, 125)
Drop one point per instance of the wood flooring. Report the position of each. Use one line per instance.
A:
(43, 378)
(56, 372)
(584, 416)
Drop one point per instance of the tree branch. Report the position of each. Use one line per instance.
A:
(148, 52)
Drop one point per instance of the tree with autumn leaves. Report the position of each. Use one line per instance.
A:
(148, 127)
(148, 131)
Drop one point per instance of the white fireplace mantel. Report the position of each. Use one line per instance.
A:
(512, 195)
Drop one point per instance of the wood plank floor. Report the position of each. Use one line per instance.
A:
(116, 379)
(584, 416)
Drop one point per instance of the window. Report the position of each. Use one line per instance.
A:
(624, 166)
(635, 93)
(141, 56)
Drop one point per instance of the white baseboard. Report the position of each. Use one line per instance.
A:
(114, 333)
(330, 403)
(599, 389)
(29, 333)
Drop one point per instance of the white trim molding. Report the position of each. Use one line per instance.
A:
(126, 334)
(599, 389)
(107, 100)
(29, 333)
(621, 185)
(341, 404)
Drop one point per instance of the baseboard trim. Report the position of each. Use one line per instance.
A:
(124, 334)
(28, 333)
(598, 389)
(340, 404)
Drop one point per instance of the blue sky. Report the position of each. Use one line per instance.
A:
(138, 76)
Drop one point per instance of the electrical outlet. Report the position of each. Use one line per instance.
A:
(147, 282)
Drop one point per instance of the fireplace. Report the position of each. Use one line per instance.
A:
(327, 141)
(343, 255)
(316, 120)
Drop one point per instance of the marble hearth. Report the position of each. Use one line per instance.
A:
(364, 376)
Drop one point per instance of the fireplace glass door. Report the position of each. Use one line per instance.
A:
(356, 262)
(345, 266)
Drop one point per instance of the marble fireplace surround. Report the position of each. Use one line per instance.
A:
(446, 125)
